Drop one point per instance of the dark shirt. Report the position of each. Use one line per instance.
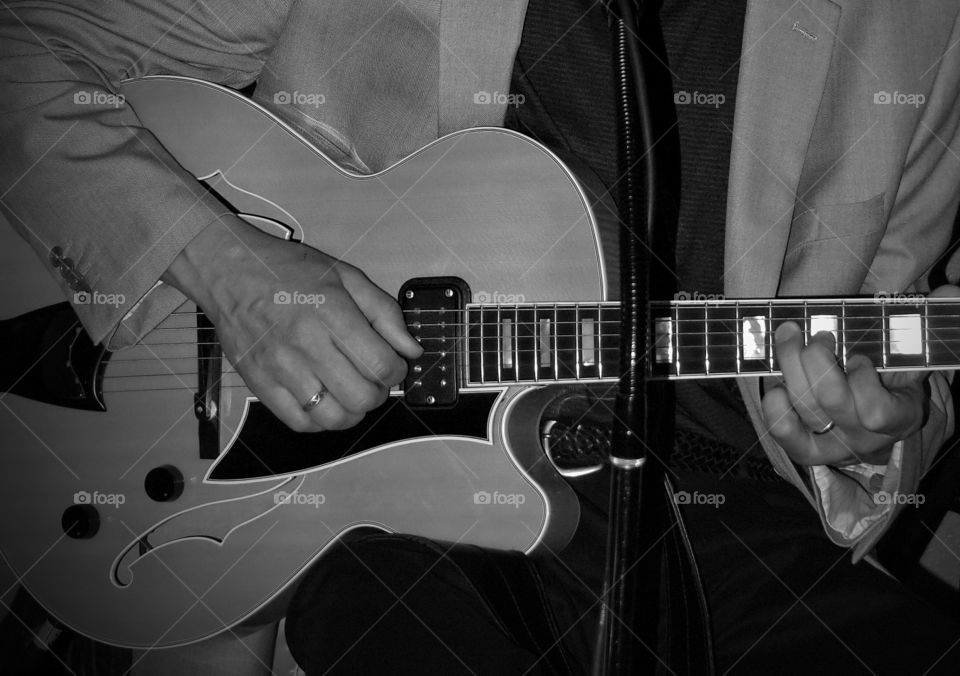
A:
(564, 70)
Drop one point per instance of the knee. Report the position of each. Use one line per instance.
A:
(349, 589)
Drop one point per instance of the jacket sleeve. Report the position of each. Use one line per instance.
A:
(104, 206)
(858, 503)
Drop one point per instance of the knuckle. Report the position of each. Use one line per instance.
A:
(821, 350)
(779, 427)
(388, 370)
(831, 398)
(283, 360)
(302, 332)
(392, 310)
(367, 399)
(874, 419)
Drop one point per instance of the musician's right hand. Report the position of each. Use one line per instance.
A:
(294, 321)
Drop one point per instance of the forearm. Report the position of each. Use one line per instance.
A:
(78, 171)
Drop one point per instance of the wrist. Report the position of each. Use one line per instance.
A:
(201, 270)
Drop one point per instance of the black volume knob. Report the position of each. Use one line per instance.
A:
(164, 483)
(80, 521)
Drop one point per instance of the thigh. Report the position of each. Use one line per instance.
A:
(784, 599)
(384, 603)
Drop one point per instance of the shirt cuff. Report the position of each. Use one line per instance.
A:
(855, 498)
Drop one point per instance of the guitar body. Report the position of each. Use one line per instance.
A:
(489, 207)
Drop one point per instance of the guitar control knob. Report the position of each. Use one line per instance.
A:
(80, 522)
(164, 483)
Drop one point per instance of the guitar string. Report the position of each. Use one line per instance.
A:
(528, 365)
(937, 335)
(554, 317)
(553, 338)
(474, 383)
(716, 351)
(851, 337)
(723, 321)
(666, 305)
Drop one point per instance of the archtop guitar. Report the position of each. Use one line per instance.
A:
(152, 501)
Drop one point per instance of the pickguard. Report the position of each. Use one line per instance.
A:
(266, 447)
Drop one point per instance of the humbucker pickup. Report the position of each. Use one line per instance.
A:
(433, 311)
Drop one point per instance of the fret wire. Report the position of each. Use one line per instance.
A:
(598, 331)
(499, 346)
(738, 326)
(807, 325)
(706, 341)
(925, 322)
(768, 321)
(676, 340)
(466, 357)
(843, 335)
(536, 346)
(483, 342)
(885, 331)
(516, 345)
(577, 340)
(556, 346)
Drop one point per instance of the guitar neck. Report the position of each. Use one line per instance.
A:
(692, 339)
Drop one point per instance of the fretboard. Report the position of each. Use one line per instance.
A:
(570, 342)
(542, 343)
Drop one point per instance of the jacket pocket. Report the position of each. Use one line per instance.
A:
(831, 248)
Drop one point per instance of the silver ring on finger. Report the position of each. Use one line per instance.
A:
(315, 400)
(826, 428)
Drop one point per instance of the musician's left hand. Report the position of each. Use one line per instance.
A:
(870, 412)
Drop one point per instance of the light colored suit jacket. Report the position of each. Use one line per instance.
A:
(832, 189)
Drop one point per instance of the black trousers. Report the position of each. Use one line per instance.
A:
(783, 599)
